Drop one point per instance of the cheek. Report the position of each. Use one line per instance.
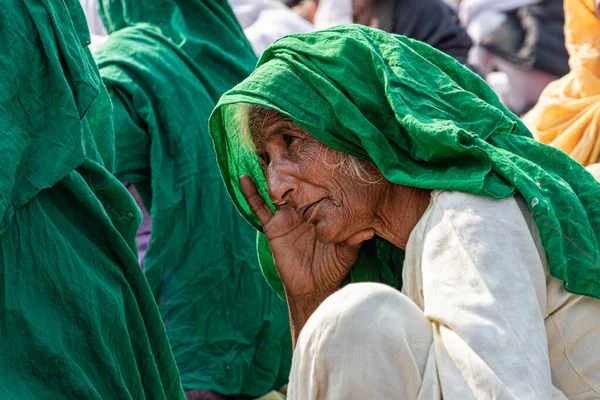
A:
(315, 167)
(335, 223)
(308, 158)
(330, 229)
(356, 199)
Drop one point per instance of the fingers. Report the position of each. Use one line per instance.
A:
(357, 240)
(257, 203)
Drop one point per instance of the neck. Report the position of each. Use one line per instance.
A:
(399, 213)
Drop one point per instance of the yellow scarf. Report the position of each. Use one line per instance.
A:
(567, 115)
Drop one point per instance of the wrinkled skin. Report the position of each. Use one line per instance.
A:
(300, 175)
(324, 214)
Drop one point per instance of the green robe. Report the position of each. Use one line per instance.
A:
(77, 317)
(425, 121)
(165, 64)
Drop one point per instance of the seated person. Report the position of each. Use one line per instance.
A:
(378, 159)
(567, 115)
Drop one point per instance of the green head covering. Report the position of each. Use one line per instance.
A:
(425, 121)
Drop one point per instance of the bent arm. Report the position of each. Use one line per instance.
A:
(484, 289)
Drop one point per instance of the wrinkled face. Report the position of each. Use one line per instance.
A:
(306, 175)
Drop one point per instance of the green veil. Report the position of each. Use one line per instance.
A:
(424, 120)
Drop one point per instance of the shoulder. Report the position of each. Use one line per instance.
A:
(459, 205)
(480, 239)
(473, 220)
(450, 198)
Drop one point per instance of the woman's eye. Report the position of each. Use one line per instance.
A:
(289, 139)
(263, 157)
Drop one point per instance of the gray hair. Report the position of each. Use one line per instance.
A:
(249, 119)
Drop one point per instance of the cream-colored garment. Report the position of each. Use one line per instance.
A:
(479, 318)
(594, 169)
(331, 13)
(265, 21)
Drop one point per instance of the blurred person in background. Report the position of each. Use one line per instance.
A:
(165, 64)
(518, 46)
(430, 21)
(265, 21)
(567, 115)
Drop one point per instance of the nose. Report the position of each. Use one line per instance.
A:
(281, 183)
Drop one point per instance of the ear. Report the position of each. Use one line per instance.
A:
(597, 3)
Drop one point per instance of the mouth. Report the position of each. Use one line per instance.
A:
(311, 211)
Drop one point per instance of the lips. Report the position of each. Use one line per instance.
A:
(309, 213)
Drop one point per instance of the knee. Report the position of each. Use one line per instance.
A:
(364, 313)
(353, 336)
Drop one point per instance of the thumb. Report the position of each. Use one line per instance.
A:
(358, 239)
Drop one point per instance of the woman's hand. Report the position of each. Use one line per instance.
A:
(310, 270)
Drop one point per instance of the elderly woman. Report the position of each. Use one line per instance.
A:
(367, 157)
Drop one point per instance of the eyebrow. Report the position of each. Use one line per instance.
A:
(278, 128)
(269, 134)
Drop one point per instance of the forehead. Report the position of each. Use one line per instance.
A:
(264, 123)
(262, 118)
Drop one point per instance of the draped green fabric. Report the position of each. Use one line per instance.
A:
(78, 318)
(425, 121)
(165, 64)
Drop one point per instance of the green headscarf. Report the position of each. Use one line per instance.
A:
(165, 64)
(425, 121)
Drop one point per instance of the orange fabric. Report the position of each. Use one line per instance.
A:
(567, 115)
